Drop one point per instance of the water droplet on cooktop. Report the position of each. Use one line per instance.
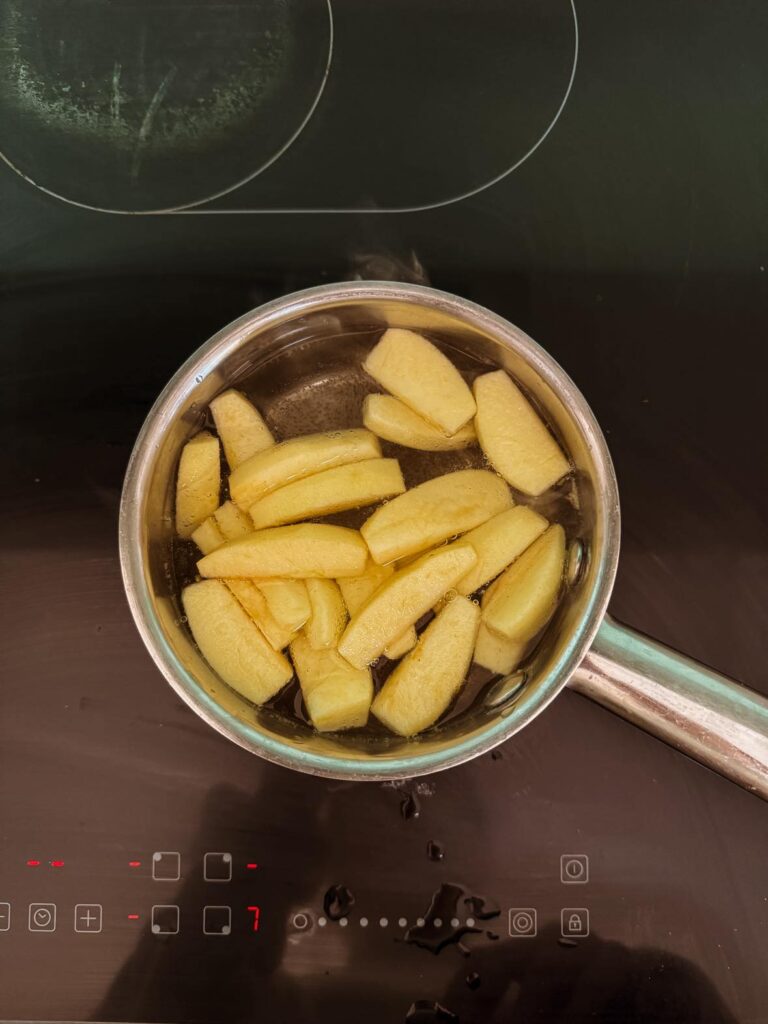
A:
(410, 806)
(337, 902)
(424, 1012)
(435, 850)
(473, 980)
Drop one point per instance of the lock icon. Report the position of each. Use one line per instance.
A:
(574, 923)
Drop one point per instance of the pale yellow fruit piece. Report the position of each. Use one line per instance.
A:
(391, 419)
(496, 653)
(433, 511)
(499, 542)
(418, 373)
(524, 598)
(242, 430)
(357, 590)
(232, 643)
(294, 552)
(288, 601)
(425, 682)
(293, 460)
(254, 602)
(332, 490)
(208, 536)
(198, 482)
(401, 601)
(513, 436)
(328, 616)
(231, 521)
(401, 644)
(337, 695)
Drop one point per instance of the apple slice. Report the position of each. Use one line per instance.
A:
(499, 542)
(514, 438)
(198, 482)
(358, 589)
(401, 601)
(294, 552)
(401, 644)
(242, 430)
(496, 653)
(329, 614)
(331, 490)
(523, 599)
(391, 419)
(208, 536)
(288, 601)
(293, 460)
(231, 521)
(425, 682)
(418, 373)
(337, 695)
(430, 513)
(254, 602)
(232, 643)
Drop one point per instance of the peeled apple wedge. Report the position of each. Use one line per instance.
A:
(418, 373)
(524, 598)
(426, 680)
(231, 521)
(254, 602)
(513, 436)
(198, 482)
(295, 459)
(328, 616)
(496, 653)
(232, 643)
(499, 542)
(391, 419)
(331, 490)
(208, 536)
(242, 430)
(434, 511)
(356, 592)
(337, 695)
(401, 601)
(295, 552)
(288, 601)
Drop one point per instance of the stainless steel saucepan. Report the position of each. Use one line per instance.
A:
(299, 358)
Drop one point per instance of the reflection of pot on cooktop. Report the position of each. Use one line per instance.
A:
(300, 104)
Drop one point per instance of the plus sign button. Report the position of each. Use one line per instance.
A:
(88, 917)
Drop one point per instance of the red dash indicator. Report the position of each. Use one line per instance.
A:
(134, 863)
(133, 917)
(256, 915)
(57, 863)
(33, 863)
(251, 867)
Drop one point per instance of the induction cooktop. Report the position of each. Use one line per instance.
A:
(594, 173)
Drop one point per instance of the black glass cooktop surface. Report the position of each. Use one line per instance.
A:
(152, 872)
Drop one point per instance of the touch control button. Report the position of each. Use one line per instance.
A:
(217, 867)
(217, 920)
(165, 919)
(42, 917)
(166, 866)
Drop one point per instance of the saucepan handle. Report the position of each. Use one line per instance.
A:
(712, 719)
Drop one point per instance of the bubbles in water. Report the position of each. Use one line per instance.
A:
(199, 379)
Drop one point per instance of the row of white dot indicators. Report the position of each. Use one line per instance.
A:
(301, 921)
